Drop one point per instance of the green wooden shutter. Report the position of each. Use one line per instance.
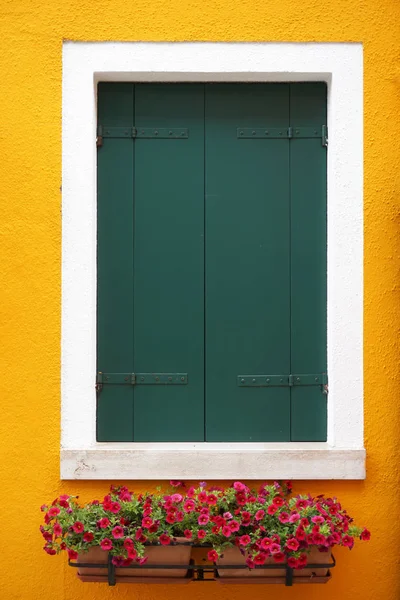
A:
(308, 261)
(115, 261)
(169, 262)
(247, 262)
(212, 262)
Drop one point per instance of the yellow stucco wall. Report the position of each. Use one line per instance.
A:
(30, 225)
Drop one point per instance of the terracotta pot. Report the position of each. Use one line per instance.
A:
(157, 555)
(233, 556)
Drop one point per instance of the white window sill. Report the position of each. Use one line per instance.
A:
(213, 461)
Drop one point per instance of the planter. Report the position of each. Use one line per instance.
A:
(174, 555)
(279, 574)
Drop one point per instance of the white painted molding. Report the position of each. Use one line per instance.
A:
(341, 67)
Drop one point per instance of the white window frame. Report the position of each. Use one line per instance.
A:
(341, 67)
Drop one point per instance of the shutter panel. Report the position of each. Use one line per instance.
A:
(169, 261)
(308, 261)
(115, 263)
(247, 262)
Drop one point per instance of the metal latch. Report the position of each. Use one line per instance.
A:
(139, 379)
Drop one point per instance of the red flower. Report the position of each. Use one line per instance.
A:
(278, 501)
(53, 511)
(244, 540)
(88, 537)
(301, 503)
(234, 526)
(191, 492)
(347, 540)
(292, 562)
(117, 532)
(226, 531)
(259, 515)
(164, 539)
(202, 497)
(201, 534)
(292, 544)
(319, 539)
(125, 495)
(279, 557)
(300, 534)
(78, 527)
(365, 535)
(189, 506)
(132, 552)
(271, 510)
(175, 483)
(128, 543)
(170, 518)
(259, 559)
(265, 543)
(103, 523)
(241, 498)
(246, 518)
(211, 499)
(147, 522)
(250, 563)
(115, 507)
(57, 530)
(188, 534)
(72, 554)
(106, 544)
(212, 556)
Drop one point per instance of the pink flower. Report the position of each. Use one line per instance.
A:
(189, 506)
(103, 523)
(53, 511)
(175, 483)
(106, 544)
(292, 544)
(191, 492)
(294, 518)
(57, 530)
(239, 487)
(201, 534)
(226, 531)
(227, 515)
(259, 515)
(244, 540)
(125, 495)
(365, 534)
(78, 527)
(142, 560)
(128, 543)
(203, 519)
(250, 562)
(318, 520)
(176, 498)
(72, 554)
(212, 556)
(117, 532)
(88, 537)
(164, 539)
(234, 526)
(301, 503)
(274, 548)
(284, 517)
(279, 557)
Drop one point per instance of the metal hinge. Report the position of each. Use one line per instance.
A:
(171, 133)
(283, 133)
(139, 379)
(307, 379)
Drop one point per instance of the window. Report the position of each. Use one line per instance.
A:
(211, 262)
(342, 456)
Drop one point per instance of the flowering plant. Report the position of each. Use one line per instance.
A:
(262, 524)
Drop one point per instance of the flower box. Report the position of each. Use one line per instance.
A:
(275, 573)
(176, 555)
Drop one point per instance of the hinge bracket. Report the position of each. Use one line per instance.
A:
(139, 379)
(308, 379)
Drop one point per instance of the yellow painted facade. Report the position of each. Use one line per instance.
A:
(30, 281)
